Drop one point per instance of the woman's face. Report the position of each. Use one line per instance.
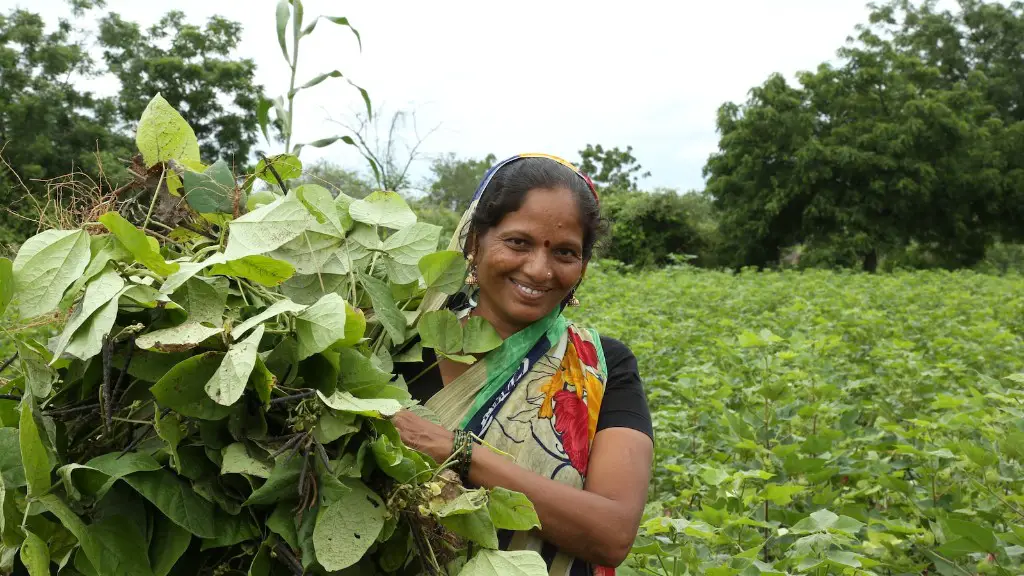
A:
(529, 262)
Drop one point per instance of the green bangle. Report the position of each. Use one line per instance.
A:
(462, 448)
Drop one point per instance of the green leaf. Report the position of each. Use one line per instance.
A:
(263, 381)
(212, 191)
(238, 460)
(260, 269)
(137, 243)
(443, 271)
(981, 536)
(781, 495)
(714, 476)
(45, 266)
(34, 456)
(35, 555)
(267, 228)
(320, 325)
(11, 470)
(174, 496)
(281, 484)
(321, 205)
(6, 284)
(359, 376)
(475, 526)
(283, 13)
(168, 544)
(315, 253)
(99, 474)
(818, 521)
(387, 209)
(280, 307)
(99, 292)
(345, 529)
(441, 330)
(111, 545)
(505, 563)
(479, 336)
(391, 460)
(164, 135)
(203, 299)
(329, 427)
(282, 523)
(261, 563)
(183, 388)
(288, 167)
(410, 244)
(373, 407)
(39, 376)
(316, 79)
(228, 383)
(511, 510)
(384, 307)
(88, 340)
(177, 338)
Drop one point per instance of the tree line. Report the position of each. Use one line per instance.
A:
(908, 149)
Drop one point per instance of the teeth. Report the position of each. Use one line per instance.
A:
(529, 291)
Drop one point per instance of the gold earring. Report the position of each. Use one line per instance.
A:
(471, 277)
(574, 301)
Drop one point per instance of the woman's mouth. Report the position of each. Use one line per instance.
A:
(528, 292)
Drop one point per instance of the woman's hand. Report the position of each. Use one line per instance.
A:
(423, 435)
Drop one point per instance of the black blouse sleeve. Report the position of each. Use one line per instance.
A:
(625, 403)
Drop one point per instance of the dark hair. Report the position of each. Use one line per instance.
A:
(507, 190)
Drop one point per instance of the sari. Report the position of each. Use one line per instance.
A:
(536, 397)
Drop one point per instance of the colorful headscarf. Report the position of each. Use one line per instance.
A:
(537, 397)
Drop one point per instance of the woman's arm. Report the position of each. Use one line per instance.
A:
(597, 524)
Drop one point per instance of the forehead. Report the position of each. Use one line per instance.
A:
(550, 214)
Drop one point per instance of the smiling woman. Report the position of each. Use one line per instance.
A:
(565, 406)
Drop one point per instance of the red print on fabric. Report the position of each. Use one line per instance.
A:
(571, 424)
(585, 350)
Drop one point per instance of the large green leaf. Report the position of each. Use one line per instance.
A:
(267, 228)
(981, 537)
(34, 456)
(281, 483)
(228, 383)
(183, 388)
(39, 376)
(260, 269)
(320, 325)
(386, 209)
(167, 545)
(212, 190)
(88, 340)
(238, 460)
(35, 555)
(346, 402)
(112, 545)
(6, 284)
(384, 307)
(345, 529)
(11, 469)
(99, 474)
(441, 330)
(280, 307)
(314, 252)
(146, 253)
(321, 205)
(287, 166)
(203, 300)
(283, 13)
(408, 245)
(99, 292)
(164, 135)
(45, 266)
(176, 338)
(174, 496)
(479, 336)
(443, 271)
(511, 510)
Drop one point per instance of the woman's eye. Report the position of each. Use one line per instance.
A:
(515, 242)
(567, 253)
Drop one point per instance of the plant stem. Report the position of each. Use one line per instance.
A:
(291, 88)
(425, 370)
(10, 397)
(300, 396)
(8, 362)
(156, 194)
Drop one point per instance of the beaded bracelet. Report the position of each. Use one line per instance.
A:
(462, 446)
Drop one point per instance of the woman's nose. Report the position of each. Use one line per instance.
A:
(538, 267)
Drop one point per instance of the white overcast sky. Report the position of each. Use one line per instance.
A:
(534, 75)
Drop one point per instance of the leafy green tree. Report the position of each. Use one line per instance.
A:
(612, 168)
(196, 70)
(894, 145)
(647, 228)
(48, 126)
(456, 179)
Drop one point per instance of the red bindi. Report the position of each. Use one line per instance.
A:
(547, 244)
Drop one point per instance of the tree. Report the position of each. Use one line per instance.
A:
(612, 168)
(194, 68)
(455, 180)
(896, 145)
(48, 126)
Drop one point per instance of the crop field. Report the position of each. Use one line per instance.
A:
(826, 423)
